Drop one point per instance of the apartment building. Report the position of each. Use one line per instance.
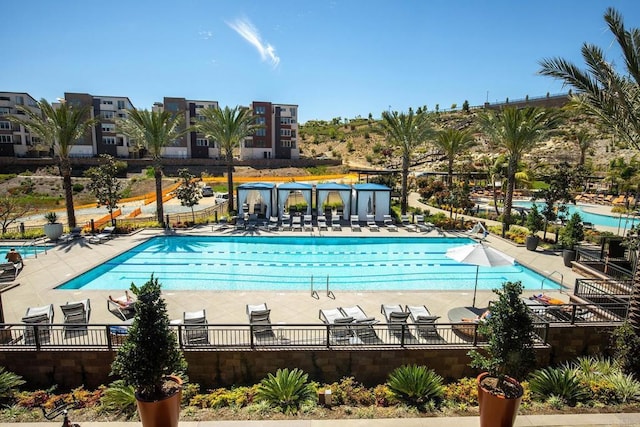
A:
(15, 140)
(104, 138)
(278, 137)
(192, 145)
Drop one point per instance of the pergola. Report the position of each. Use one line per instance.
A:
(371, 199)
(285, 189)
(343, 190)
(252, 193)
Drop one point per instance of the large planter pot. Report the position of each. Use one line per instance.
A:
(532, 242)
(53, 231)
(497, 411)
(568, 255)
(161, 413)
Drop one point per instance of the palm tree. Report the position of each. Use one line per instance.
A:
(453, 142)
(406, 132)
(59, 128)
(156, 129)
(584, 139)
(613, 98)
(517, 131)
(228, 126)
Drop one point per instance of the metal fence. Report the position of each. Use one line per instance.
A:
(609, 297)
(591, 258)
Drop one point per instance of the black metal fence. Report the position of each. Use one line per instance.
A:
(609, 297)
(613, 267)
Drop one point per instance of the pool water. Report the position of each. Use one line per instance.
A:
(25, 251)
(227, 263)
(613, 221)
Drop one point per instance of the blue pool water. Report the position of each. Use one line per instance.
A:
(227, 263)
(612, 220)
(25, 251)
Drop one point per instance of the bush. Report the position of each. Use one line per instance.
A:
(416, 385)
(119, 397)
(464, 391)
(287, 390)
(77, 187)
(9, 382)
(350, 392)
(559, 382)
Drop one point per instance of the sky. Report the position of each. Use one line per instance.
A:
(344, 59)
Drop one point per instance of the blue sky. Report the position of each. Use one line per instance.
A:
(332, 58)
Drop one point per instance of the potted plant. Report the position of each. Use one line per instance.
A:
(570, 235)
(507, 358)
(150, 359)
(534, 223)
(52, 229)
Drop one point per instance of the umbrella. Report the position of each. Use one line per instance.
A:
(479, 255)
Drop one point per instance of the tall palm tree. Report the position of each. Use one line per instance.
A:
(156, 129)
(453, 142)
(405, 131)
(613, 98)
(584, 139)
(228, 126)
(59, 128)
(516, 131)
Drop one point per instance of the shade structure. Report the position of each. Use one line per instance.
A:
(481, 256)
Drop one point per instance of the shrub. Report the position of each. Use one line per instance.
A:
(9, 382)
(560, 382)
(415, 384)
(350, 392)
(119, 397)
(626, 349)
(286, 390)
(77, 187)
(464, 391)
(627, 388)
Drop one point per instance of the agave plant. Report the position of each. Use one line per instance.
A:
(590, 368)
(627, 388)
(9, 382)
(415, 384)
(559, 382)
(119, 397)
(287, 390)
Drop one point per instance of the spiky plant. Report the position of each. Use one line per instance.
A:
(560, 382)
(9, 382)
(626, 387)
(415, 384)
(287, 390)
(119, 397)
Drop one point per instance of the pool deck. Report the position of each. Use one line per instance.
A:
(41, 275)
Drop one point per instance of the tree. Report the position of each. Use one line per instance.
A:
(10, 211)
(189, 191)
(59, 128)
(561, 182)
(584, 140)
(229, 126)
(516, 131)
(104, 184)
(157, 129)
(405, 132)
(453, 142)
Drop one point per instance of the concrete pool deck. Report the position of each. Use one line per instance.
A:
(41, 275)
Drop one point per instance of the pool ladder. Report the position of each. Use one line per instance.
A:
(34, 243)
(314, 293)
(548, 276)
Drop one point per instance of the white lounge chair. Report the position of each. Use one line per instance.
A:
(74, 233)
(307, 223)
(396, 318)
(362, 324)
(122, 306)
(76, 317)
(339, 326)
(40, 319)
(286, 221)
(335, 223)
(194, 328)
(106, 234)
(355, 223)
(322, 222)
(423, 226)
(296, 223)
(389, 223)
(405, 222)
(260, 321)
(9, 270)
(273, 224)
(424, 321)
(371, 223)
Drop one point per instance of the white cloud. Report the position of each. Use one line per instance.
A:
(248, 32)
(206, 35)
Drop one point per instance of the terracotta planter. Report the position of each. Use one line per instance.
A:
(161, 413)
(497, 411)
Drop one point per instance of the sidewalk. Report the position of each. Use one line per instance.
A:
(582, 420)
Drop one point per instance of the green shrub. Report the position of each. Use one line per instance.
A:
(350, 392)
(286, 390)
(119, 397)
(560, 382)
(465, 390)
(9, 382)
(626, 387)
(415, 384)
(77, 187)
(626, 349)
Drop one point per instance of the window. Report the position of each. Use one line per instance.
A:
(6, 139)
(285, 120)
(107, 114)
(4, 110)
(261, 132)
(287, 143)
(202, 142)
(5, 125)
(20, 100)
(292, 110)
(285, 132)
(121, 105)
(108, 127)
(200, 118)
(106, 102)
(109, 140)
(172, 106)
(260, 109)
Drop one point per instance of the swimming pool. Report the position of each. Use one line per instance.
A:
(613, 221)
(228, 263)
(25, 251)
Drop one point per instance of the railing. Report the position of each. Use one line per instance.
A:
(109, 337)
(611, 296)
(592, 259)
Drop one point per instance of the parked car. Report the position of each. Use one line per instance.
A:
(222, 197)
(207, 191)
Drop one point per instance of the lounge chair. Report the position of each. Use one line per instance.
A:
(194, 328)
(241, 222)
(273, 224)
(286, 221)
(105, 235)
(260, 321)
(122, 306)
(335, 223)
(396, 319)
(389, 223)
(424, 321)
(39, 317)
(252, 223)
(407, 224)
(355, 223)
(423, 226)
(362, 324)
(9, 270)
(296, 223)
(371, 223)
(74, 233)
(322, 222)
(307, 223)
(339, 326)
(76, 317)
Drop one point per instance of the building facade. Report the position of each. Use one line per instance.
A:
(278, 136)
(15, 140)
